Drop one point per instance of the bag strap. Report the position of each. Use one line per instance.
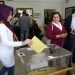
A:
(52, 27)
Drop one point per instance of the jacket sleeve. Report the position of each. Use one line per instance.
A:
(5, 39)
(67, 23)
(49, 32)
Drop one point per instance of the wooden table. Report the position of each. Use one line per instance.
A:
(61, 72)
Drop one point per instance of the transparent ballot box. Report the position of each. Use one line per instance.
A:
(50, 60)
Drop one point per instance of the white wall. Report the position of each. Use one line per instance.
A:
(63, 5)
(70, 3)
(37, 5)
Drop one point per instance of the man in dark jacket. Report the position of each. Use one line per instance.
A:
(24, 23)
(70, 39)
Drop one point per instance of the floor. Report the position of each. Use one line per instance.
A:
(19, 68)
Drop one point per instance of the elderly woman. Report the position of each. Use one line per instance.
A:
(6, 41)
(55, 30)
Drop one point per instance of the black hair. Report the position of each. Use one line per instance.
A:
(17, 15)
(73, 10)
(24, 12)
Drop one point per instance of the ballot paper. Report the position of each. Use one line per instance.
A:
(37, 45)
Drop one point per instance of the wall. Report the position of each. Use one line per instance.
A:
(37, 5)
(70, 3)
(63, 5)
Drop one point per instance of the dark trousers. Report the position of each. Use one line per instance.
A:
(73, 47)
(24, 35)
(70, 45)
(10, 70)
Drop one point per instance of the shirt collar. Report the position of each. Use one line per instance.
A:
(58, 25)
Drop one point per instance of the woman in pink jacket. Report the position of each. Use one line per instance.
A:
(55, 30)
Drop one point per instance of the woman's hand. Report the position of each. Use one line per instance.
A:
(61, 35)
(27, 41)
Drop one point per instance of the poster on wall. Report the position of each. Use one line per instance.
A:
(1, 2)
(47, 15)
(69, 11)
(29, 11)
(37, 15)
